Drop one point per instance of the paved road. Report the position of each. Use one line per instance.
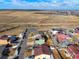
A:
(24, 45)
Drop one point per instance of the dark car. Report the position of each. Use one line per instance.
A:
(6, 52)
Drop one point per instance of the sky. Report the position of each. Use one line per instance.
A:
(40, 4)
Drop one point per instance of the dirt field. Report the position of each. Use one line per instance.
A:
(39, 19)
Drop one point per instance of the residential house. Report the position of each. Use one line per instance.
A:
(73, 49)
(42, 52)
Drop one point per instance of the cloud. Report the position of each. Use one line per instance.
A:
(43, 3)
(40, 4)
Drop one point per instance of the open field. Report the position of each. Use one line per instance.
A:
(38, 19)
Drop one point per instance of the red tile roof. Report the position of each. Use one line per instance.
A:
(73, 49)
(61, 37)
(42, 49)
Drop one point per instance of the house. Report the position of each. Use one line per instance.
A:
(53, 32)
(61, 37)
(3, 42)
(3, 39)
(73, 49)
(77, 56)
(42, 52)
(39, 41)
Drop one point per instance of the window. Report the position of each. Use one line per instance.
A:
(44, 58)
(38, 58)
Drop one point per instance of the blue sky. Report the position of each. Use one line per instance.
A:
(40, 4)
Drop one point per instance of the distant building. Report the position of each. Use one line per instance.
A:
(42, 52)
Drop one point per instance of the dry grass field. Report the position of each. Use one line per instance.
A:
(39, 19)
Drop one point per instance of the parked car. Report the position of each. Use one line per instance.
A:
(6, 52)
